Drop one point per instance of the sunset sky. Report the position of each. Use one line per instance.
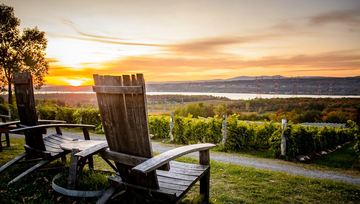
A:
(195, 40)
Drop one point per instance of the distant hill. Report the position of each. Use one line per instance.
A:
(313, 85)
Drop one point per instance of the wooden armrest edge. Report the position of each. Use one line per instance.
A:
(163, 158)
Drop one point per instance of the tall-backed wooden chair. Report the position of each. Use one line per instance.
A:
(122, 104)
(37, 146)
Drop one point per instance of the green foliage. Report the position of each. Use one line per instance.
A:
(159, 126)
(356, 130)
(87, 116)
(47, 112)
(243, 135)
(4, 108)
(66, 114)
(189, 130)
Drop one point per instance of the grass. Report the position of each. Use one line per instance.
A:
(229, 184)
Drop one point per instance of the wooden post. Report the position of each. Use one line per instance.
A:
(283, 137)
(172, 122)
(7, 136)
(0, 143)
(90, 158)
(205, 180)
(223, 130)
(73, 169)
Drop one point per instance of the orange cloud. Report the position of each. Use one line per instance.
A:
(350, 17)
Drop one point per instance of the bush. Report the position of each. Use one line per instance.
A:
(66, 114)
(308, 140)
(159, 126)
(87, 116)
(189, 130)
(47, 112)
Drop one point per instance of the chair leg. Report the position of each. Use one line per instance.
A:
(7, 139)
(1, 148)
(204, 158)
(205, 186)
(91, 163)
(38, 165)
(12, 162)
(63, 159)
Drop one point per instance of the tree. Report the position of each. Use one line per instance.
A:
(20, 51)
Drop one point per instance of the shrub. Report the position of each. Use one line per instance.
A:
(87, 116)
(66, 114)
(47, 112)
(159, 126)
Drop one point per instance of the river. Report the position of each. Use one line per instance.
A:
(232, 96)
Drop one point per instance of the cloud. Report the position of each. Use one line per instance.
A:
(211, 45)
(339, 60)
(349, 17)
(198, 47)
(99, 38)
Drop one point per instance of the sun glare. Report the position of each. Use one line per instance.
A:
(75, 82)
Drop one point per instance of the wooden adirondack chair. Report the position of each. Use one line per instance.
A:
(122, 104)
(36, 146)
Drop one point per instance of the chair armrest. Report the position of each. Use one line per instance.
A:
(51, 121)
(9, 123)
(51, 126)
(5, 116)
(96, 147)
(163, 158)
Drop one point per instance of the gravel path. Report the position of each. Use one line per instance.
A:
(260, 163)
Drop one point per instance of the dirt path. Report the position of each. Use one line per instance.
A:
(260, 163)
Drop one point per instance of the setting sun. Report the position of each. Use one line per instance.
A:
(74, 82)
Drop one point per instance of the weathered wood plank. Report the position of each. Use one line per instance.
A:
(33, 151)
(188, 166)
(188, 172)
(9, 123)
(51, 144)
(92, 150)
(62, 137)
(73, 169)
(122, 158)
(167, 156)
(13, 161)
(117, 89)
(174, 175)
(174, 181)
(36, 127)
(53, 149)
(81, 145)
(56, 140)
(33, 168)
(204, 157)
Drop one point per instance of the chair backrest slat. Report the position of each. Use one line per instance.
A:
(124, 118)
(25, 102)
